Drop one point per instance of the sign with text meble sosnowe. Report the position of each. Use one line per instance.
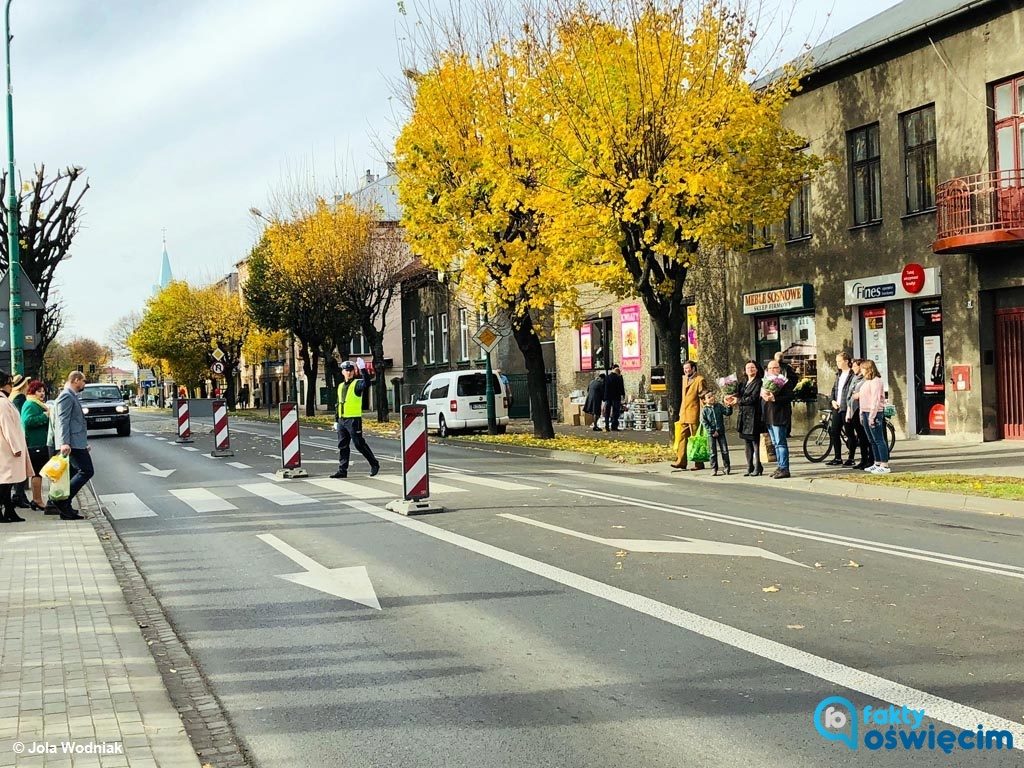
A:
(779, 299)
(881, 288)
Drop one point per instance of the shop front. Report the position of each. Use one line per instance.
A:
(783, 321)
(897, 323)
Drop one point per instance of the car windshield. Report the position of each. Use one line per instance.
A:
(476, 384)
(100, 393)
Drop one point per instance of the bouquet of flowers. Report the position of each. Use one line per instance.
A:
(728, 384)
(773, 384)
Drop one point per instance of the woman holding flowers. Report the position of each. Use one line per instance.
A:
(777, 396)
(750, 423)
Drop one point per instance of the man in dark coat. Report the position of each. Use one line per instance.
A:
(595, 399)
(614, 394)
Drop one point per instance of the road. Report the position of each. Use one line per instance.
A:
(559, 615)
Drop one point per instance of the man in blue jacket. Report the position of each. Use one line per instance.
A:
(349, 421)
(70, 434)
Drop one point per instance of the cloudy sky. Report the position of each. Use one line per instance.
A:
(187, 113)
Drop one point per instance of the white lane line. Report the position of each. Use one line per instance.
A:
(188, 448)
(238, 465)
(611, 477)
(276, 494)
(488, 481)
(272, 477)
(125, 506)
(938, 708)
(348, 488)
(434, 487)
(202, 500)
(164, 439)
(984, 566)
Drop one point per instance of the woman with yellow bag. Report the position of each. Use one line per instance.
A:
(14, 461)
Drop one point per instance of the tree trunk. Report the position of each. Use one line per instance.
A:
(669, 332)
(380, 385)
(533, 356)
(229, 383)
(311, 367)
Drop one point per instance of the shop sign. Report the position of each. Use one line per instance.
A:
(778, 299)
(907, 284)
(629, 327)
(658, 383)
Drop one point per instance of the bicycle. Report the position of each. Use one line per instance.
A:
(818, 441)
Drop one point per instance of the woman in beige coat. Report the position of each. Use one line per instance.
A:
(15, 466)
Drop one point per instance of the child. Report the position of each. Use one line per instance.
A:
(712, 416)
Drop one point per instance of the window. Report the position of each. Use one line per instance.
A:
(444, 337)
(798, 217)
(794, 336)
(760, 236)
(430, 340)
(414, 352)
(440, 390)
(463, 334)
(1008, 98)
(918, 131)
(480, 324)
(595, 344)
(475, 384)
(866, 174)
(359, 345)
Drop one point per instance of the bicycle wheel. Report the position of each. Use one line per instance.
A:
(817, 444)
(890, 435)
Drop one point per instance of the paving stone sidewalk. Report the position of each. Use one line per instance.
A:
(75, 671)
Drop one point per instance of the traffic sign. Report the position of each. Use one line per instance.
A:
(218, 355)
(217, 367)
(486, 337)
(147, 383)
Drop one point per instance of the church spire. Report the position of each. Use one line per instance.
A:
(165, 268)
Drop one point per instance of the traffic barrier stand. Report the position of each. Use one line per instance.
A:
(184, 423)
(415, 467)
(221, 434)
(291, 448)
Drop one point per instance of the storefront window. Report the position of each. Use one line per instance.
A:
(794, 336)
(595, 344)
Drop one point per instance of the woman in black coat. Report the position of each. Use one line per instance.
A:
(595, 397)
(750, 422)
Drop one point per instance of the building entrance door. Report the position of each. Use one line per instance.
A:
(929, 367)
(1010, 372)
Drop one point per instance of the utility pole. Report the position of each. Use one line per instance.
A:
(13, 247)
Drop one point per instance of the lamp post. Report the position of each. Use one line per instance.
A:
(13, 252)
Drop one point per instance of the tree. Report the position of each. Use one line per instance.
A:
(172, 329)
(469, 181)
(121, 331)
(49, 211)
(63, 358)
(657, 145)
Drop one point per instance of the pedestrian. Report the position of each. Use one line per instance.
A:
(750, 419)
(840, 429)
(349, 423)
(70, 433)
(35, 418)
(712, 417)
(19, 387)
(506, 388)
(778, 414)
(872, 414)
(867, 458)
(614, 394)
(594, 401)
(14, 462)
(689, 412)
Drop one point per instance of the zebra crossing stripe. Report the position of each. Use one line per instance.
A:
(350, 489)
(276, 494)
(126, 506)
(202, 500)
(438, 487)
(488, 481)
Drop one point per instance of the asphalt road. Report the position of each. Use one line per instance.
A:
(559, 615)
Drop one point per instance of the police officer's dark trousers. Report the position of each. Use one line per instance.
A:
(350, 431)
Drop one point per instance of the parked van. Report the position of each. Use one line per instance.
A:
(458, 400)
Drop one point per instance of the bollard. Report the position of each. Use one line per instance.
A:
(221, 435)
(415, 466)
(291, 449)
(184, 423)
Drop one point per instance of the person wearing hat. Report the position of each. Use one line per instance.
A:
(349, 422)
(19, 389)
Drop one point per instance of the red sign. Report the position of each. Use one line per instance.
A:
(961, 378)
(912, 278)
(937, 417)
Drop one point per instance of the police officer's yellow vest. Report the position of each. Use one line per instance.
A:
(350, 405)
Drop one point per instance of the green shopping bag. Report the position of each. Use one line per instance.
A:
(697, 448)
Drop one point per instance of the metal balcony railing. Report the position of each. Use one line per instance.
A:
(984, 209)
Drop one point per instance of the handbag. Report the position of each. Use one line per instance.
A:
(697, 448)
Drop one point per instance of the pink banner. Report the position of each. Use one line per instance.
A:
(586, 349)
(629, 328)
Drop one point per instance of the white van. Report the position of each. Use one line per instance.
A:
(458, 400)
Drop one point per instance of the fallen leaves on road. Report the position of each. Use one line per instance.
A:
(819, 565)
(621, 553)
(772, 588)
(795, 626)
(852, 564)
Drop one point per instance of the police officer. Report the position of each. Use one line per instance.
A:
(350, 418)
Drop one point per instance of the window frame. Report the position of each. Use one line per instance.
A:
(918, 155)
(413, 351)
(431, 348)
(872, 165)
(463, 334)
(363, 348)
(1014, 121)
(802, 200)
(444, 337)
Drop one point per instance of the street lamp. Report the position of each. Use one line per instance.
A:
(13, 253)
(293, 384)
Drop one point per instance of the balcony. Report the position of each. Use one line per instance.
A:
(980, 212)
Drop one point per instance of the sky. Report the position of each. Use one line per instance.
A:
(185, 114)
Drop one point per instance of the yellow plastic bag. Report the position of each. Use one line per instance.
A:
(55, 468)
(678, 437)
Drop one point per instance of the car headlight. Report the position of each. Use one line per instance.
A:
(122, 409)
(85, 410)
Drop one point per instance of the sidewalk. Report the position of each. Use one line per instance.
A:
(75, 672)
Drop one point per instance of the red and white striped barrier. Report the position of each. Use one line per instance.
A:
(291, 448)
(184, 423)
(221, 433)
(415, 466)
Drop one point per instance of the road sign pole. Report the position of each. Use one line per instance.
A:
(13, 246)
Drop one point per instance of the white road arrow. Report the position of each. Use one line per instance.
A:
(154, 472)
(350, 583)
(685, 546)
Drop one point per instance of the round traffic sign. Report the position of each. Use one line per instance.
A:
(217, 367)
(912, 278)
